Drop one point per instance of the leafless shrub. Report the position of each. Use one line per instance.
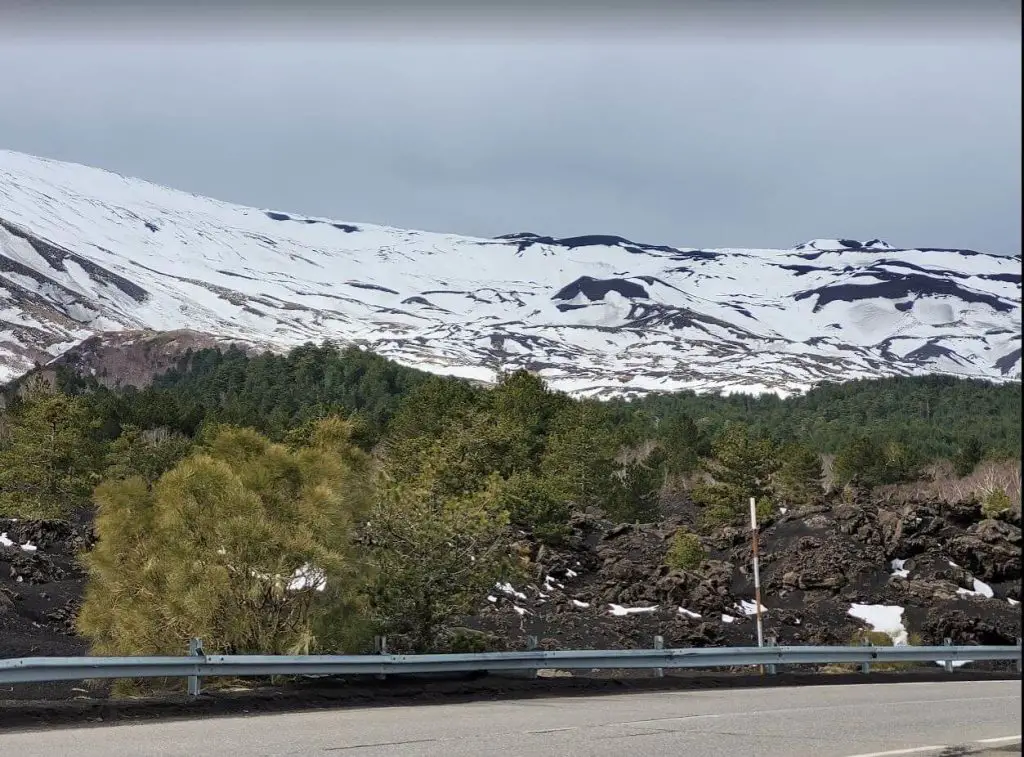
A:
(828, 478)
(942, 484)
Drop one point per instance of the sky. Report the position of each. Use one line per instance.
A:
(732, 136)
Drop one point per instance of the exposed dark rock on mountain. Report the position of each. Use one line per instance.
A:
(85, 252)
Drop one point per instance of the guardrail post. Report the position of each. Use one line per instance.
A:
(195, 649)
(531, 646)
(865, 667)
(947, 642)
(380, 646)
(659, 643)
(1018, 657)
(772, 642)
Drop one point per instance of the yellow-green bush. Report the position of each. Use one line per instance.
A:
(686, 551)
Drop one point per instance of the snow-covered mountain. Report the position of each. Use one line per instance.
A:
(84, 251)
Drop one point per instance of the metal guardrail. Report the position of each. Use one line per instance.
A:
(38, 669)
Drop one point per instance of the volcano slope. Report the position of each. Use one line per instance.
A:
(84, 251)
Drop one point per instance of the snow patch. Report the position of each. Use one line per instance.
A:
(887, 619)
(955, 663)
(507, 588)
(750, 608)
(981, 589)
(5, 541)
(620, 612)
(897, 568)
(308, 577)
(550, 584)
(688, 613)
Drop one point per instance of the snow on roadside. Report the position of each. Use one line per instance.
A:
(26, 547)
(887, 619)
(507, 588)
(981, 589)
(620, 612)
(550, 584)
(897, 568)
(956, 663)
(750, 608)
(688, 613)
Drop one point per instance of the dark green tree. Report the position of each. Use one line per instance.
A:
(634, 493)
(534, 504)
(967, 456)
(147, 454)
(798, 477)
(49, 461)
(436, 550)
(741, 467)
(859, 462)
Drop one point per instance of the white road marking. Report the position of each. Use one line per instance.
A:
(935, 748)
(893, 752)
(999, 739)
(792, 710)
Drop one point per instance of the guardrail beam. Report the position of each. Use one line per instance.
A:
(38, 669)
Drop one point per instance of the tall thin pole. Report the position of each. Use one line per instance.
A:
(757, 571)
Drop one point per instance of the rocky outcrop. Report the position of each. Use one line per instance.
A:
(955, 573)
(608, 584)
(41, 586)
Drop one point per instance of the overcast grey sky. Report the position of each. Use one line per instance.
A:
(698, 140)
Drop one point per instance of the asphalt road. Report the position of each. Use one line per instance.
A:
(948, 718)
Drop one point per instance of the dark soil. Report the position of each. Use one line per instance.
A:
(41, 589)
(815, 563)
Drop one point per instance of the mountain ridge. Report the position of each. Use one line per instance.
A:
(85, 251)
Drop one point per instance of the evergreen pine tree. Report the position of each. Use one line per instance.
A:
(49, 461)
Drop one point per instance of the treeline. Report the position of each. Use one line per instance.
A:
(933, 417)
(305, 501)
(271, 393)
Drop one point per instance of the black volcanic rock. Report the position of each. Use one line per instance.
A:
(596, 289)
